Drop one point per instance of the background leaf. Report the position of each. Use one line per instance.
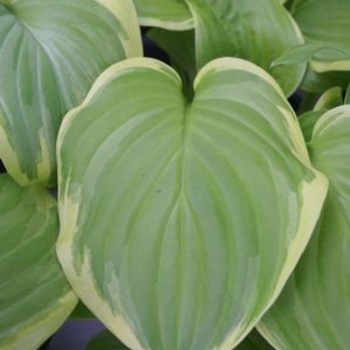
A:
(180, 47)
(305, 52)
(167, 14)
(254, 341)
(324, 22)
(167, 228)
(320, 82)
(258, 31)
(53, 51)
(106, 341)
(313, 309)
(35, 295)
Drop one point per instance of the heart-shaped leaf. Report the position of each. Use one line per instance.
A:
(259, 31)
(182, 220)
(313, 310)
(35, 297)
(53, 51)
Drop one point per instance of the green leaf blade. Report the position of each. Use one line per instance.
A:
(170, 246)
(250, 30)
(313, 309)
(35, 295)
(51, 63)
(168, 14)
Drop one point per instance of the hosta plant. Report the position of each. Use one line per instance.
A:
(194, 202)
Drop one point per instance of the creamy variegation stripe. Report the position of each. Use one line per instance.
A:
(51, 64)
(312, 310)
(179, 217)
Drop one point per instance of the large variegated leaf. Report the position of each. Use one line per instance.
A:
(258, 31)
(35, 297)
(51, 52)
(168, 14)
(313, 310)
(182, 220)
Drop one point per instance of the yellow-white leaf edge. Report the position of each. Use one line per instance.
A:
(313, 194)
(170, 25)
(322, 67)
(36, 333)
(125, 13)
(323, 124)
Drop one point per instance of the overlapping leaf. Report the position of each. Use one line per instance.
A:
(107, 341)
(258, 31)
(325, 22)
(182, 220)
(168, 14)
(51, 52)
(180, 48)
(314, 309)
(254, 341)
(35, 297)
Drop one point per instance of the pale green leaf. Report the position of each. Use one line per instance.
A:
(167, 14)
(105, 340)
(53, 51)
(182, 220)
(258, 31)
(35, 297)
(313, 310)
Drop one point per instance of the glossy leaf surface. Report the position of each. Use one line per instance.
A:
(314, 308)
(247, 29)
(53, 51)
(181, 221)
(35, 297)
